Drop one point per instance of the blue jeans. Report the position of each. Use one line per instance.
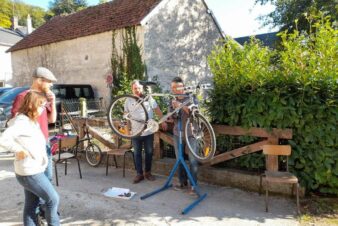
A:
(48, 173)
(35, 187)
(147, 142)
(49, 169)
(182, 174)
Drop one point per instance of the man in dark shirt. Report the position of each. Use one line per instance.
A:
(177, 87)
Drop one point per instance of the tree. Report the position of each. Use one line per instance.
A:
(8, 8)
(59, 7)
(5, 13)
(289, 11)
(37, 15)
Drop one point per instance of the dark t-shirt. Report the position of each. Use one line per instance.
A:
(184, 116)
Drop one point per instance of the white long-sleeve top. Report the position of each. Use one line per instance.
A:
(24, 134)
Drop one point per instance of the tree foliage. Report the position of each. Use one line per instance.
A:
(9, 8)
(60, 7)
(294, 87)
(289, 11)
(5, 13)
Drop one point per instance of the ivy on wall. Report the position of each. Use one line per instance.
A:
(128, 65)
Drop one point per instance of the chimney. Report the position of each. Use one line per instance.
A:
(15, 22)
(29, 25)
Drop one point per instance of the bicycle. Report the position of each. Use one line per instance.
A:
(199, 134)
(92, 151)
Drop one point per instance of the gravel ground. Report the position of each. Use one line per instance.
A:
(82, 201)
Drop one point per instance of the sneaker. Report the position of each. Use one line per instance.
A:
(40, 221)
(180, 187)
(138, 178)
(149, 176)
(192, 193)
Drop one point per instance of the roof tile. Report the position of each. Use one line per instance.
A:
(92, 20)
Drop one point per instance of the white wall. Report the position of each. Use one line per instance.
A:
(5, 65)
(178, 39)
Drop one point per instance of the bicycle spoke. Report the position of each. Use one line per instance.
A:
(127, 116)
(202, 142)
(93, 155)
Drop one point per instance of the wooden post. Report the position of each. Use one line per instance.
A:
(272, 160)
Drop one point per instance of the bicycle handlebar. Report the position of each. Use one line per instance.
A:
(199, 86)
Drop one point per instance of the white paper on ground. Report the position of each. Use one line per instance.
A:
(121, 193)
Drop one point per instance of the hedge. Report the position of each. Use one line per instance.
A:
(294, 87)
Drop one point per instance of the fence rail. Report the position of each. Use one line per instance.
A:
(269, 137)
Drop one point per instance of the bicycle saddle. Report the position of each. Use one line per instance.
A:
(148, 83)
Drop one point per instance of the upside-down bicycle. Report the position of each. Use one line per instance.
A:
(199, 134)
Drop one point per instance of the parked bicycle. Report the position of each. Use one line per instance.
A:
(199, 134)
(92, 151)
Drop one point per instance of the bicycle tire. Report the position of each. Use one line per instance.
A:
(117, 117)
(93, 154)
(200, 137)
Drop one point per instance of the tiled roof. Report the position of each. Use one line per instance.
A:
(92, 20)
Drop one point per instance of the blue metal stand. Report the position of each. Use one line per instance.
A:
(180, 160)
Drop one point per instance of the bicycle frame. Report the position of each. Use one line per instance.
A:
(126, 111)
(188, 103)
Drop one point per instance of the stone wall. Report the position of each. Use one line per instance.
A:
(218, 176)
(178, 38)
(84, 60)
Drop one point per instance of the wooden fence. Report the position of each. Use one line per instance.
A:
(269, 137)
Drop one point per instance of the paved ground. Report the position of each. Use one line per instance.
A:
(82, 202)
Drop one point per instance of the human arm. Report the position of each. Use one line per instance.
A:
(52, 107)
(159, 114)
(176, 104)
(8, 143)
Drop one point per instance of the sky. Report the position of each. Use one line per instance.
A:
(237, 18)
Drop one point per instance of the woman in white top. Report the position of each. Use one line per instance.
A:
(25, 139)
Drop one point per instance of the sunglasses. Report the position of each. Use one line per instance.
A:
(125, 194)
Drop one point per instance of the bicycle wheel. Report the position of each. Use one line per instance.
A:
(93, 154)
(200, 137)
(127, 116)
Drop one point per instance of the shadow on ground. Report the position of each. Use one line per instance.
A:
(82, 201)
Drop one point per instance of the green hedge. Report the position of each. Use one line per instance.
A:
(293, 87)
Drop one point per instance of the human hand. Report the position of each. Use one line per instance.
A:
(175, 104)
(164, 126)
(50, 97)
(21, 155)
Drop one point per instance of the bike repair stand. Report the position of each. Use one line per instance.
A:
(180, 160)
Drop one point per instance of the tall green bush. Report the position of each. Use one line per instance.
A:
(295, 87)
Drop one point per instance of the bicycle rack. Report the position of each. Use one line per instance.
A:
(168, 184)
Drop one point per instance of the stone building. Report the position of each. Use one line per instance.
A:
(175, 36)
